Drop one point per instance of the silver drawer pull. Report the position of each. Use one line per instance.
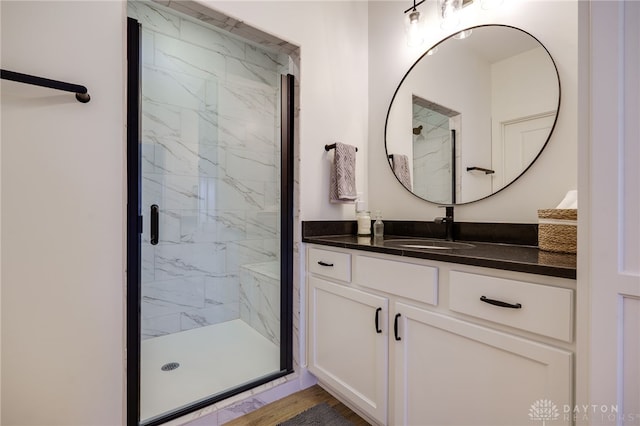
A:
(320, 262)
(500, 303)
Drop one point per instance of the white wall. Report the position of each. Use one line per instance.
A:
(554, 23)
(333, 86)
(511, 99)
(515, 104)
(63, 216)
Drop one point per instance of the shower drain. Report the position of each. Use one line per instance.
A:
(170, 366)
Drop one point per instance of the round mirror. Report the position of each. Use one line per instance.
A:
(472, 114)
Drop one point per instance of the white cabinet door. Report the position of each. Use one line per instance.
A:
(451, 372)
(346, 351)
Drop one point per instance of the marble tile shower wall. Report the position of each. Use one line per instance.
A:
(432, 155)
(260, 298)
(210, 160)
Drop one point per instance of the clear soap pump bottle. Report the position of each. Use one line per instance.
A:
(378, 226)
(363, 219)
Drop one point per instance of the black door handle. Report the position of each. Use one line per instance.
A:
(320, 262)
(378, 330)
(395, 327)
(154, 225)
(500, 303)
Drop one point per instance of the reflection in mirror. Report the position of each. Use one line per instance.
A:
(473, 116)
(433, 148)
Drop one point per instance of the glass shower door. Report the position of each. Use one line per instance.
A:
(210, 173)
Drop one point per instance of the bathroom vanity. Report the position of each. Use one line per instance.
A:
(409, 335)
(409, 331)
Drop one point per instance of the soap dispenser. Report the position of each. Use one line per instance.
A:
(363, 219)
(378, 226)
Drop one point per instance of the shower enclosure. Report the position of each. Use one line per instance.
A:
(434, 151)
(210, 212)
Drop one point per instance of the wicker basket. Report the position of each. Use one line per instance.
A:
(557, 230)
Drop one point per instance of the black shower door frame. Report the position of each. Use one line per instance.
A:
(135, 227)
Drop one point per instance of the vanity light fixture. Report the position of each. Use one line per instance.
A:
(413, 25)
(449, 13)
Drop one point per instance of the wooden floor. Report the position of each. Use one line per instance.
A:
(292, 405)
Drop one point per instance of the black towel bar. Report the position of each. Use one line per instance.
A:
(332, 146)
(481, 169)
(80, 91)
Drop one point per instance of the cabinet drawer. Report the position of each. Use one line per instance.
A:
(417, 282)
(331, 264)
(543, 309)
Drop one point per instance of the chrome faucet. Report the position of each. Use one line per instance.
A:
(448, 221)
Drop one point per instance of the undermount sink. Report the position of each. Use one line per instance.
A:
(426, 244)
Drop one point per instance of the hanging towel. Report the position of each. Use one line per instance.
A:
(401, 170)
(342, 187)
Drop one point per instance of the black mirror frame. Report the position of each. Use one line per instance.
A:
(532, 161)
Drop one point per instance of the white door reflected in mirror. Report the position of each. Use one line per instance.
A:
(517, 145)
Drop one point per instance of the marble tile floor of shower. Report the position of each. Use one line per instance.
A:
(211, 359)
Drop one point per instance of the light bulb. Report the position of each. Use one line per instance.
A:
(448, 11)
(414, 29)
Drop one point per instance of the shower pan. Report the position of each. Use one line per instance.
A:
(209, 212)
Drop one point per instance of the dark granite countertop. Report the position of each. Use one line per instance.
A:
(512, 257)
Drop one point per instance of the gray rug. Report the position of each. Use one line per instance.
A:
(318, 415)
